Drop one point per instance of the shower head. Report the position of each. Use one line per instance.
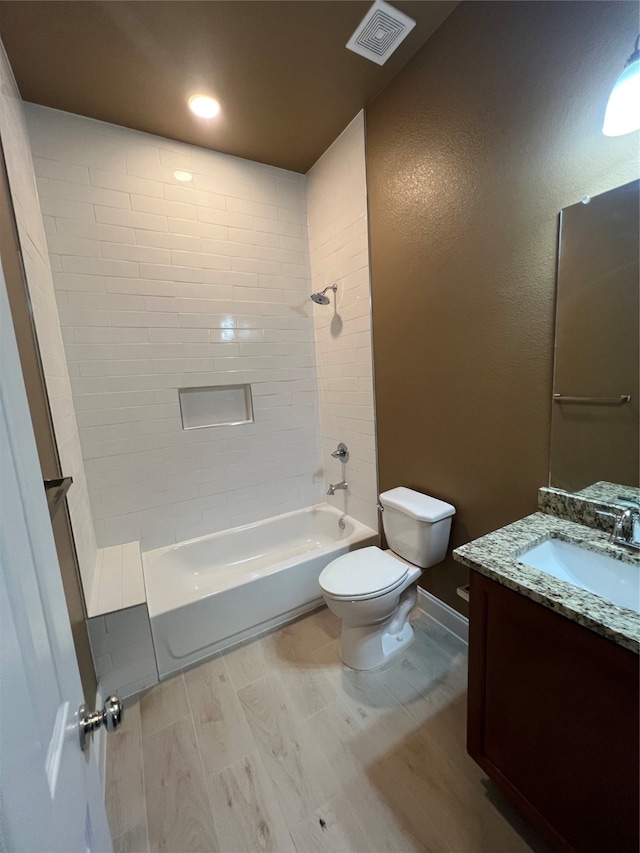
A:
(320, 298)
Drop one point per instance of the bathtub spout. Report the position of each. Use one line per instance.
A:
(334, 486)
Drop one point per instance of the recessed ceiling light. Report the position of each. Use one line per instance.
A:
(180, 175)
(204, 106)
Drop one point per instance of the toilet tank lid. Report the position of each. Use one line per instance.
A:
(415, 504)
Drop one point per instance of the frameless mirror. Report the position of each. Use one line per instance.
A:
(595, 432)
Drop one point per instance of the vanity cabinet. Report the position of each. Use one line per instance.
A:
(553, 720)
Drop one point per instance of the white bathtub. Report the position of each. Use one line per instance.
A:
(213, 592)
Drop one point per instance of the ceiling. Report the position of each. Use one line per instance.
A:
(280, 68)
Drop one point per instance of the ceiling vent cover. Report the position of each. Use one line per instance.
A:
(380, 32)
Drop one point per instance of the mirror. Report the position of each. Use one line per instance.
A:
(595, 432)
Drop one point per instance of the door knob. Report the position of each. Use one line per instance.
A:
(110, 717)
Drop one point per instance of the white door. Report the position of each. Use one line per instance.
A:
(50, 792)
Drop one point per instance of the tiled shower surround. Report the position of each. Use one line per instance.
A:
(339, 251)
(164, 284)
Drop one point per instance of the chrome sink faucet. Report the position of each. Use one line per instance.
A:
(334, 486)
(626, 529)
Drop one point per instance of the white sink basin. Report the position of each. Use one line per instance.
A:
(614, 580)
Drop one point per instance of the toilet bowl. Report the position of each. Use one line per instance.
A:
(374, 591)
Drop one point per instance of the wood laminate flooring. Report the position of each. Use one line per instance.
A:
(276, 747)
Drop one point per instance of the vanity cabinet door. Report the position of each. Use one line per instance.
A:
(553, 720)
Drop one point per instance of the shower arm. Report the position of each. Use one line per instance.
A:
(333, 287)
(320, 298)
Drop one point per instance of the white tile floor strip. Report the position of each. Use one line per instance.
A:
(276, 747)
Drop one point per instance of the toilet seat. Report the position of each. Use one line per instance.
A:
(365, 573)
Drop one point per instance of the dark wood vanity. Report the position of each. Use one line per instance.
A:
(553, 720)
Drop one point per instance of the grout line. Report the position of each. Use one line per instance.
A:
(335, 701)
(166, 726)
(324, 646)
(274, 794)
(267, 674)
(242, 711)
(202, 767)
(258, 642)
(144, 785)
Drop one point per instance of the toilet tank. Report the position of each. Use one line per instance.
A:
(416, 526)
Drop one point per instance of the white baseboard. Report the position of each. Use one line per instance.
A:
(446, 616)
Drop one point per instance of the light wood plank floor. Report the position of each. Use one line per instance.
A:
(276, 747)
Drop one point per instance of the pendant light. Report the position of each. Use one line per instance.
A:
(623, 110)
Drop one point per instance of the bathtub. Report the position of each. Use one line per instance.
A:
(213, 592)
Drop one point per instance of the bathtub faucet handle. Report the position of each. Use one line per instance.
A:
(341, 453)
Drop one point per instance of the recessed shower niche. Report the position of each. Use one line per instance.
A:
(215, 405)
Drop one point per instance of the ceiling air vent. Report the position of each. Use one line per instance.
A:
(380, 32)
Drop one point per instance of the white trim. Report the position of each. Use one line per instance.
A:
(444, 615)
(99, 744)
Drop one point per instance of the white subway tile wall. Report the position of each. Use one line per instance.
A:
(339, 251)
(20, 170)
(123, 651)
(161, 285)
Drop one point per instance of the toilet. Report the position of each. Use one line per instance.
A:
(374, 591)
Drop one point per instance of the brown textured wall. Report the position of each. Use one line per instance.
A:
(472, 151)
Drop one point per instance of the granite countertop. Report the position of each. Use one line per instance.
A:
(496, 556)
